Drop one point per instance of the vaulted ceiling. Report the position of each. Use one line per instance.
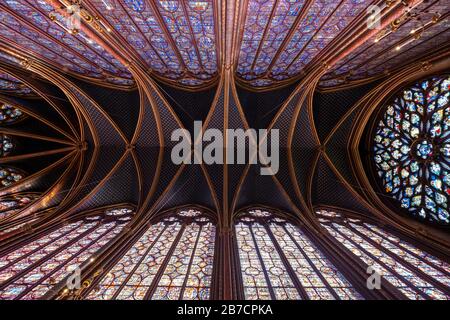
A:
(114, 89)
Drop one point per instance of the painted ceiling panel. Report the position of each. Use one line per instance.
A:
(279, 41)
(390, 49)
(34, 27)
(175, 39)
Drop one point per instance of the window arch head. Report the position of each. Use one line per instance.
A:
(31, 270)
(11, 84)
(10, 114)
(411, 149)
(278, 261)
(6, 145)
(171, 259)
(10, 175)
(10, 204)
(414, 272)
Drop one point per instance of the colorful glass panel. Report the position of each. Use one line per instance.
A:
(176, 39)
(279, 262)
(10, 175)
(33, 269)
(10, 114)
(398, 262)
(175, 255)
(412, 149)
(37, 28)
(9, 84)
(6, 145)
(279, 41)
(12, 203)
(388, 50)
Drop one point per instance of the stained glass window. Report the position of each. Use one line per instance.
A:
(10, 175)
(30, 271)
(12, 203)
(10, 114)
(6, 145)
(417, 274)
(390, 50)
(279, 261)
(278, 41)
(10, 84)
(412, 149)
(36, 27)
(10, 229)
(176, 39)
(171, 260)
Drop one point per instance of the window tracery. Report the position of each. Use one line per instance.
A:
(412, 149)
(12, 203)
(416, 273)
(10, 114)
(31, 270)
(6, 145)
(10, 175)
(278, 261)
(172, 260)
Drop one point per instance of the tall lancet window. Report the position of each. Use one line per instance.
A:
(417, 274)
(10, 175)
(31, 269)
(278, 261)
(6, 145)
(172, 259)
(9, 114)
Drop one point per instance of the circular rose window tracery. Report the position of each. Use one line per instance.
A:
(412, 149)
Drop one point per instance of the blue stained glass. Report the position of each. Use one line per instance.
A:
(13, 85)
(49, 257)
(268, 245)
(266, 36)
(10, 175)
(9, 114)
(170, 6)
(397, 261)
(371, 59)
(185, 265)
(52, 43)
(412, 149)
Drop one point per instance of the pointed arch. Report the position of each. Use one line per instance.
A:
(278, 261)
(171, 258)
